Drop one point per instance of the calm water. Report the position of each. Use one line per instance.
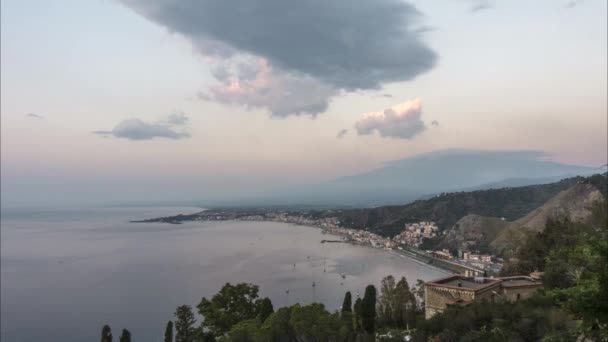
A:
(66, 273)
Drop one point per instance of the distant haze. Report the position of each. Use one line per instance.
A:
(407, 179)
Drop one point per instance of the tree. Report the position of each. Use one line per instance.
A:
(347, 317)
(169, 332)
(387, 302)
(368, 310)
(244, 331)
(578, 275)
(277, 327)
(184, 324)
(405, 305)
(265, 309)
(313, 323)
(106, 334)
(234, 303)
(125, 336)
(357, 317)
(347, 303)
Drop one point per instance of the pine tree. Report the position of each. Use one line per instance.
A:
(347, 303)
(169, 332)
(106, 334)
(184, 324)
(125, 336)
(368, 310)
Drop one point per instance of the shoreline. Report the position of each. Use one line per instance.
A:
(399, 253)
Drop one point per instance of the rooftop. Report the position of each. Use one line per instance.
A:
(519, 281)
(462, 282)
(468, 283)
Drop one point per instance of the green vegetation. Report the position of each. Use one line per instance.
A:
(535, 319)
(125, 336)
(106, 334)
(397, 306)
(169, 332)
(233, 304)
(185, 330)
(574, 257)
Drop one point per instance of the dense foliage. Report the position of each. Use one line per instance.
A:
(574, 258)
(233, 304)
(530, 320)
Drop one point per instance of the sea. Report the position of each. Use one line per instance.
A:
(67, 272)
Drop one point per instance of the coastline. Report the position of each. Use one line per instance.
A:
(435, 264)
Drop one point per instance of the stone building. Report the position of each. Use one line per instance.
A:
(462, 290)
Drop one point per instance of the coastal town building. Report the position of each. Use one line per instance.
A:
(413, 233)
(460, 290)
(442, 254)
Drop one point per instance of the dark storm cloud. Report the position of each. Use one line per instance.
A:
(341, 44)
(136, 129)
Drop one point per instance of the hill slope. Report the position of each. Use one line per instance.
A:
(574, 203)
(483, 233)
(447, 209)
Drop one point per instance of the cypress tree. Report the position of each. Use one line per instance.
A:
(368, 310)
(106, 334)
(125, 336)
(357, 318)
(347, 303)
(169, 332)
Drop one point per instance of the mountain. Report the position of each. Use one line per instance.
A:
(406, 180)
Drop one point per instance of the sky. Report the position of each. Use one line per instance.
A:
(108, 100)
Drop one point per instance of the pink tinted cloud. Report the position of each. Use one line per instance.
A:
(399, 121)
(254, 83)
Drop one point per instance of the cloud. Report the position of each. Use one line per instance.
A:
(177, 118)
(136, 129)
(255, 84)
(574, 3)
(309, 50)
(480, 5)
(400, 121)
(341, 133)
(34, 116)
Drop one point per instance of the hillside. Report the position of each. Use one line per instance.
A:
(574, 203)
(446, 209)
(496, 234)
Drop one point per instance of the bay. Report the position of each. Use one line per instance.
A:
(66, 272)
